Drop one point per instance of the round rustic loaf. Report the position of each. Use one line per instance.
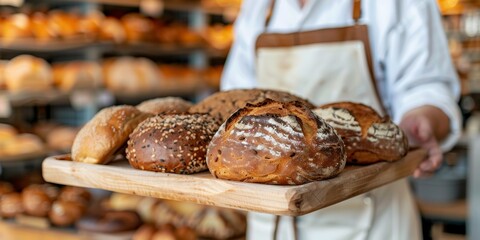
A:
(105, 133)
(368, 137)
(175, 143)
(223, 104)
(275, 143)
(165, 105)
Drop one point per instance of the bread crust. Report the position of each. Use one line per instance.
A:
(174, 143)
(368, 137)
(223, 104)
(105, 133)
(165, 105)
(275, 143)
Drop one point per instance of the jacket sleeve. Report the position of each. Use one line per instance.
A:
(419, 69)
(239, 71)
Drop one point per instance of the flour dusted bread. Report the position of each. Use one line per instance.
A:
(175, 143)
(165, 105)
(108, 131)
(275, 143)
(368, 137)
(223, 104)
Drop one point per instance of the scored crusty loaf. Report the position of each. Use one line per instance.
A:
(368, 137)
(174, 143)
(105, 133)
(223, 104)
(164, 105)
(275, 143)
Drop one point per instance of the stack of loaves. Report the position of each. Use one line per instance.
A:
(260, 136)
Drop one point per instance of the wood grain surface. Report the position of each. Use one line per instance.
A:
(202, 188)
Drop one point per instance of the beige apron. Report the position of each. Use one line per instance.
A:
(330, 65)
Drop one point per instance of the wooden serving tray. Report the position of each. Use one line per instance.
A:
(203, 188)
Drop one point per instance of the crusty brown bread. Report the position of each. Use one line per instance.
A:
(223, 104)
(164, 105)
(368, 137)
(275, 143)
(105, 133)
(175, 143)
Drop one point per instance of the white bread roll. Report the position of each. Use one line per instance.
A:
(28, 73)
(77, 75)
(131, 75)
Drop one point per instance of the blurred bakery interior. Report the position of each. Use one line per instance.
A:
(63, 61)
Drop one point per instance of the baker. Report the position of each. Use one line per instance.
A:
(389, 54)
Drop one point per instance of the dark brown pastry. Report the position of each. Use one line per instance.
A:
(368, 137)
(5, 188)
(110, 222)
(65, 213)
(276, 143)
(105, 133)
(165, 105)
(37, 199)
(75, 194)
(172, 143)
(224, 104)
(11, 205)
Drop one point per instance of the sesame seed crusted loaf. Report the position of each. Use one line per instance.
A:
(164, 105)
(173, 143)
(275, 143)
(223, 104)
(368, 137)
(106, 133)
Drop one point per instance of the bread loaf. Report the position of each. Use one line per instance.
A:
(16, 26)
(112, 29)
(368, 137)
(37, 199)
(105, 133)
(275, 143)
(174, 143)
(11, 205)
(137, 27)
(28, 73)
(65, 213)
(77, 75)
(223, 104)
(164, 105)
(131, 75)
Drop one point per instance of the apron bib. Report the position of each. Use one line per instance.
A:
(323, 66)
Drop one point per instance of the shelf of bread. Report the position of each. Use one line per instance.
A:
(57, 31)
(203, 188)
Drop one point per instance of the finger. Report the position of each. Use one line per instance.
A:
(424, 132)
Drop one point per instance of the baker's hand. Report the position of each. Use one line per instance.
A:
(423, 126)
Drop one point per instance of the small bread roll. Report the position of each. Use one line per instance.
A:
(23, 144)
(40, 27)
(28, 73)
(137, 27)
(131, 75)
(121, 202)
(219, 36)
(275, 143)
(112, 29)
(172, 143)
(16, 26)
(61, 138)
(105, 133)
(75, 194)
(7, 132)
(77, 75)
(223, 104)
(37, 199)
(11, 205)
(368, 137)
(65, 213)
(165, 105)
(90, 25)
(64, 24)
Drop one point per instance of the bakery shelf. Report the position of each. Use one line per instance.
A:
(19, 99)
(78, 45)
(12, 230)
(203, 188)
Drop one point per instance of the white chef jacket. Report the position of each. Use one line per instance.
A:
(410, 53)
